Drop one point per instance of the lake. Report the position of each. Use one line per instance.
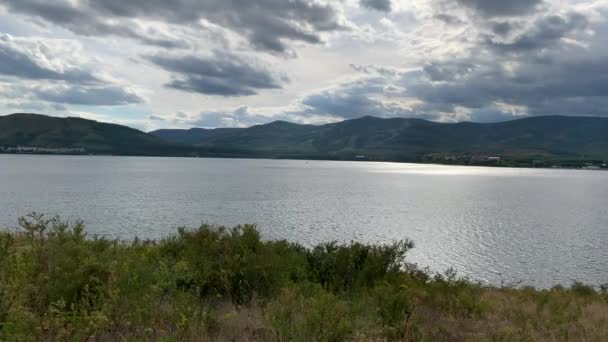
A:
(535, 226)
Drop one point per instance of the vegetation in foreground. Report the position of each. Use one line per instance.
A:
(227, 284)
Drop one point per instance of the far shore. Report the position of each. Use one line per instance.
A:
(554, 165)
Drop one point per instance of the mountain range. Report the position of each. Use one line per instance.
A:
(402, 139)
(370, 138)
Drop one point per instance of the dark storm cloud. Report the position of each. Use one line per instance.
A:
(545, 31)
(266, 23)
(89, 96)
(81, 20)
(447, 72)
(379, 5)
(219, 74)
(22, 63)
(449, 19)
(559, 86)
(501, 28)
(501, 8)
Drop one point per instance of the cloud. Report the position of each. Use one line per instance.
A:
(447, 71)
(54, 71)
(247, 117)
(545, 31)
(501, 8)
(501, 28)
(89, 96)
(240, 117)
(449, 19)
(351, 100)
(76, 17)
(445, 60)
(559, 85)
(267, 24)
(155, 118)
(379, 5)
(550, 65)
(34, 59)
(219, 74)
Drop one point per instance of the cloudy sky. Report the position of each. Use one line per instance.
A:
(231, 63)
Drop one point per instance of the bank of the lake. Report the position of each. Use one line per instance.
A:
(222, 284)
(495, 225)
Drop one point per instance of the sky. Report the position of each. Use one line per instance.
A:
(153, 64)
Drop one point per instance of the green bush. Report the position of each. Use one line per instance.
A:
(395, 309)
(582, 289)
(347, 267)
(233, 264)
(310, 314)
(58, 284)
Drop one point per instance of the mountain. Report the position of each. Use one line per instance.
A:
(370, 138)
(36, 130)
(409, 139)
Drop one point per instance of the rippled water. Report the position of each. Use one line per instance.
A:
(541, 227)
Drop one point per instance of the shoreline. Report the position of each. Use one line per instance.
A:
(308, 160)
(19, 232)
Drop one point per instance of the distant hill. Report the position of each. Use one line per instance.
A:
(95, 137)
(409, 139)
(369, 138)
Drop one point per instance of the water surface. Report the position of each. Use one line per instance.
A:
(540, 227)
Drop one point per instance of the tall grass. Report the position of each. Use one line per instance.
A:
(214, 283)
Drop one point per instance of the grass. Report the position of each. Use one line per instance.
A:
(220, 284)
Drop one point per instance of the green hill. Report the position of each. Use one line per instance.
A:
(35, 130)
(410, 139)
(369, 138)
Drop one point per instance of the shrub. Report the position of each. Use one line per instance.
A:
(582, 289)
(395, 308)
(234, 264)
(310, 314)
(347, 267)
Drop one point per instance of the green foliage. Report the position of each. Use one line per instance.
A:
(582, 289)
(225, 284)
(233, 264)
(395, 309)
(310, 314)
(347, 267)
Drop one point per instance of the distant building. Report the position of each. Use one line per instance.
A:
(43, 150)
(478, 159)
